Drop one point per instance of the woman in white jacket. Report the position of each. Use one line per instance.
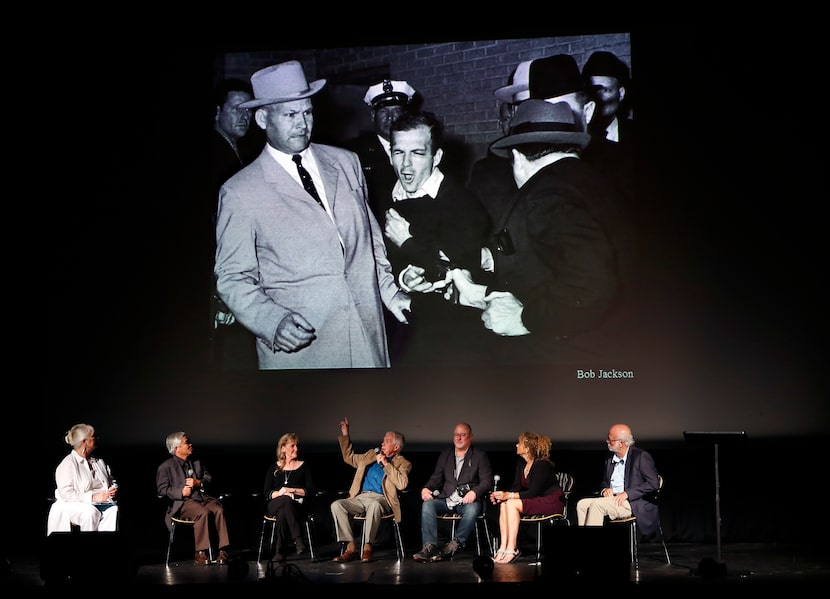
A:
(85, 494)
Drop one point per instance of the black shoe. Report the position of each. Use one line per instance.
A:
(428, 554)
(449, 550)
(301, 548)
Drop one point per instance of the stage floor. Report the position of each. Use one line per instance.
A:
(747, 564)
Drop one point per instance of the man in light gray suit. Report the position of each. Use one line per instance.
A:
(300, 259)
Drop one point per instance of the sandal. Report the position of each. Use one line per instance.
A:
(515, 553)
(499, 553)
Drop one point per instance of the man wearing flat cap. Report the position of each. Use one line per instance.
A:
(386, 100)
(561, 254)
(300, 258)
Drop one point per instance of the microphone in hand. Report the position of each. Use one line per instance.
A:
(496, 480)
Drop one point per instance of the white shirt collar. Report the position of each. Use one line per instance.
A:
(430, 187)
(612, 131)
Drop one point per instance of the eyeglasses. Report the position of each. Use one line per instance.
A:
(462, 435)
(610, 441)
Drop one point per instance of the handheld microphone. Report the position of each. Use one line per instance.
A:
(190, 473)
(436, 493)
(496, 480)
(377, 450)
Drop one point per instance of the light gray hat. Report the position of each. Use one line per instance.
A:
(282, 82)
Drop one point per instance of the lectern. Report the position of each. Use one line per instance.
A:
(715, 438)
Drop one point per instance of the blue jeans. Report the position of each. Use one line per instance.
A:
(432, 508)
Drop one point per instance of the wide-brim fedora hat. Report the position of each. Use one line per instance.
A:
(518, 84)
(281, 82)
(537, 121)
(555, 76)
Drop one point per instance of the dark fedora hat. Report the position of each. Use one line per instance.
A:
(555, 76)
(605, 64)
(537, 121)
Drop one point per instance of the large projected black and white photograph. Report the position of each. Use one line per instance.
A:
(545, 233)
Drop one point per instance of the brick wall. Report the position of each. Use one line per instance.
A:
(456, 80)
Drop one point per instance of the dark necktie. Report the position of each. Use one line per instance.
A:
(306, 178)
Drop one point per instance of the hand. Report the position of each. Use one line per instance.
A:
(503, 314)
(467, 292)
(620, 498)
(413, 279)
(399, 306)
(469, 497)
(426, 494)
(223, 318)
(381, 459)
(344, 427)
(293, 333)
(396, 227)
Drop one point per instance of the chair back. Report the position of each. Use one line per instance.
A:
(566, 483)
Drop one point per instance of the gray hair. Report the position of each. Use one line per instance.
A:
(78, 434)
(399, 438)
(174, 440)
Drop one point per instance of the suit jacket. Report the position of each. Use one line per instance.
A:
(641, 481)
(491, 181)
(170, 477)
(476, 471)
(278, 252)
(395, 474)
(574, 254)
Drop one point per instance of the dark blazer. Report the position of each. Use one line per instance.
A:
(378, 170)
(476, 471)
(541, 480)
(491, 181)
(641, 481)
(170, 478)
(574, 255)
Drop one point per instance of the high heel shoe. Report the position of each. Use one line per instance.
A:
(499, 553)
(515, 554)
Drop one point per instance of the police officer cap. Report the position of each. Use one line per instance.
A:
(389, 93)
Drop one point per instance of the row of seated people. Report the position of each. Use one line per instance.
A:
(458, 490)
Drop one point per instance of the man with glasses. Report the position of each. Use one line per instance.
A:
(462, 478)
(491, 177)
(629, 478)
(183, 480)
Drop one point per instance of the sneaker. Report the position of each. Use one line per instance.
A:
(449, 550)
(428, 554)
